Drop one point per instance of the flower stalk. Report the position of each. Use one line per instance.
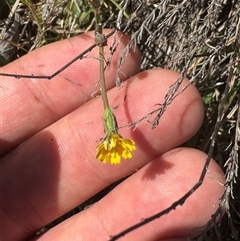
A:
(113, 146)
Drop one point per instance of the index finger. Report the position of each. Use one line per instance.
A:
(32, 104)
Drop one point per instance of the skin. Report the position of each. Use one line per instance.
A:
(49, 134)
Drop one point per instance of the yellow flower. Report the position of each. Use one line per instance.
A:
(113, 147)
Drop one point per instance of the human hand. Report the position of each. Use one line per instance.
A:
(49, 134)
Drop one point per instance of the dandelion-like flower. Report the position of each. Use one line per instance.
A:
(113, 147)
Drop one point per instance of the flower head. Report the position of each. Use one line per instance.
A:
(113, 147)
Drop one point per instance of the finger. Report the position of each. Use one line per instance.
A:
(32, 104)
(61, 159)
(156, 186)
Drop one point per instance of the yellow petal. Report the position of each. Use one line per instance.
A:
(114, 147)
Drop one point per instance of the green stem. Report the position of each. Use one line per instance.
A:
(102, 79)
(99, 39)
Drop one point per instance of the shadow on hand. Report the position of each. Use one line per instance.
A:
(29, 186)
